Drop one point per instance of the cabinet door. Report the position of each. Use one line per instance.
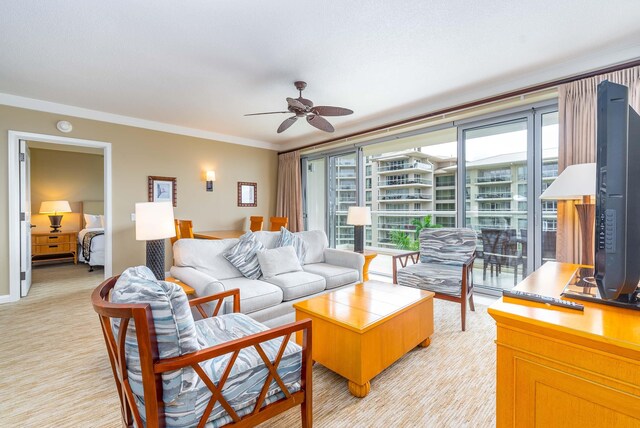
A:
(546, 397)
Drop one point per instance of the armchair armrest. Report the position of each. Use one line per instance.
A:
(345, 258)
(235, 293)
(403, 258)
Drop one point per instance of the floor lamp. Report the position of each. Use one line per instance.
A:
(578, 182)
(154, 224)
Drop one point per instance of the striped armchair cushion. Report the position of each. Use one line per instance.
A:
(450, 246)
(173, 322)
(246, 379)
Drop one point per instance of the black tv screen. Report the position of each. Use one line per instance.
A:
(617, 231)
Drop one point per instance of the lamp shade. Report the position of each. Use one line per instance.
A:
(154, 220)
(359, 216)
(54, 207)
(574, 182)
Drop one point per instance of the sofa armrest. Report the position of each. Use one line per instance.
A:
(204, 284)
(348, 259)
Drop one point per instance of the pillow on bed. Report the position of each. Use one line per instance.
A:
(92, 221)
(101, 221)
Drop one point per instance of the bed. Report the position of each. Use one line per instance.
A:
(91, 236)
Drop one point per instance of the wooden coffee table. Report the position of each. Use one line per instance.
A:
(361, 330)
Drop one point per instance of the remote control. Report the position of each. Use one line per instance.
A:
(543, 299)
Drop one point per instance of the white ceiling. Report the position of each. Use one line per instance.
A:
(200, 65)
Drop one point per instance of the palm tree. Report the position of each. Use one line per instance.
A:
(404, 242)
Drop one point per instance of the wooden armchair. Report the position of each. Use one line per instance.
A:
(184, 230)
(278, 222)
(212, 383)
(444, 265)
(255, 223)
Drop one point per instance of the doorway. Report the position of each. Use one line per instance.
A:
(20, 208)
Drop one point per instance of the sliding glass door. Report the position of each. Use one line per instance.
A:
(508, 162)
(314, 189)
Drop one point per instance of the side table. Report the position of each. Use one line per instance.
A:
(189, 291)
(368, 256)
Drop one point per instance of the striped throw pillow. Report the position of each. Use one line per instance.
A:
(243, 255)
(288, 238)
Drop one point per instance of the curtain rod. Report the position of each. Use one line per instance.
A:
(476, 103)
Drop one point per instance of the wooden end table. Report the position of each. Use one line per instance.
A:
(189, 291)
(359, 331)
(368, 256)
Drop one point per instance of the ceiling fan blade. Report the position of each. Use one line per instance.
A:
(320, 122)
(269, 112)
(296, 104)
(287, 123)
(331, 111)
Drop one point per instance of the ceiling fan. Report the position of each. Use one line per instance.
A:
(302, 107)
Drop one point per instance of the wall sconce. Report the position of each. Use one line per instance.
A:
(211, 177)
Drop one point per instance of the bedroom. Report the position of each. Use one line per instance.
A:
(66, 178)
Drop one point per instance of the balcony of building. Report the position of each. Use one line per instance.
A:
(404, 167)
(405, 182)
(401, 197)
(493, 195)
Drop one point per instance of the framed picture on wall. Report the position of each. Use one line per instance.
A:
(247, 194)
(163, 189)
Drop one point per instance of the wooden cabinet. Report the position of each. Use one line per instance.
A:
(61, 246)
(561, 367)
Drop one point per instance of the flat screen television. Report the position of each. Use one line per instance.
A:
(617, 231)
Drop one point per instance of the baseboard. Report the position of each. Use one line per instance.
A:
(7, 298)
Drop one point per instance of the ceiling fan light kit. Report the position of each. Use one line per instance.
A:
(302, 107)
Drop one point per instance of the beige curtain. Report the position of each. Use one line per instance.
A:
(577, 116)
(289, 202)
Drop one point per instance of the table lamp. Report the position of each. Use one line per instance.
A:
(578, 182)
(154, 223)
(54, 208)
(358, 217)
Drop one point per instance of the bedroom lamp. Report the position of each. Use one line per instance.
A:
(154, 224)
(54, 208)
(358, 217)
(578, 182)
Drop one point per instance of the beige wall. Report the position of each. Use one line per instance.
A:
(64, 175)
(138, 153)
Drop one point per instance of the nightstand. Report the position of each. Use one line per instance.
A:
(59, 246)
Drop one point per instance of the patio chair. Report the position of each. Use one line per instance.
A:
(444, 265)
(173, 372)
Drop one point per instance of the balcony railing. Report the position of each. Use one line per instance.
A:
(406, 165)
(494, 195)
(399, 181)
(405, 196)
(493, 179)
(397, 226)
(346, 187)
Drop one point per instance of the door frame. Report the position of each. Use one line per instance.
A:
(13, 169)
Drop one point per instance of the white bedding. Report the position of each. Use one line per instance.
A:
(97, 247)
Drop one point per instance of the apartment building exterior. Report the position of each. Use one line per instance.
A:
(402, 186)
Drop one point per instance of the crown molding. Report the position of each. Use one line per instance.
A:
(84, 113)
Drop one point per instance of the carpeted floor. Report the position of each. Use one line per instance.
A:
(56, 373)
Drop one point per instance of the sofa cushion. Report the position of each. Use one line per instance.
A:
(298, 284)
(278, 261)
(316, 241)
(243, 255)
(206, 256)
(173, 323)
(439, 278)
(334, 275)
(245, 380)
(267, 238)
(288, 238)
(254, 294)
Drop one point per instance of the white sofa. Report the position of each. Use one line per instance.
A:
(200, 264)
